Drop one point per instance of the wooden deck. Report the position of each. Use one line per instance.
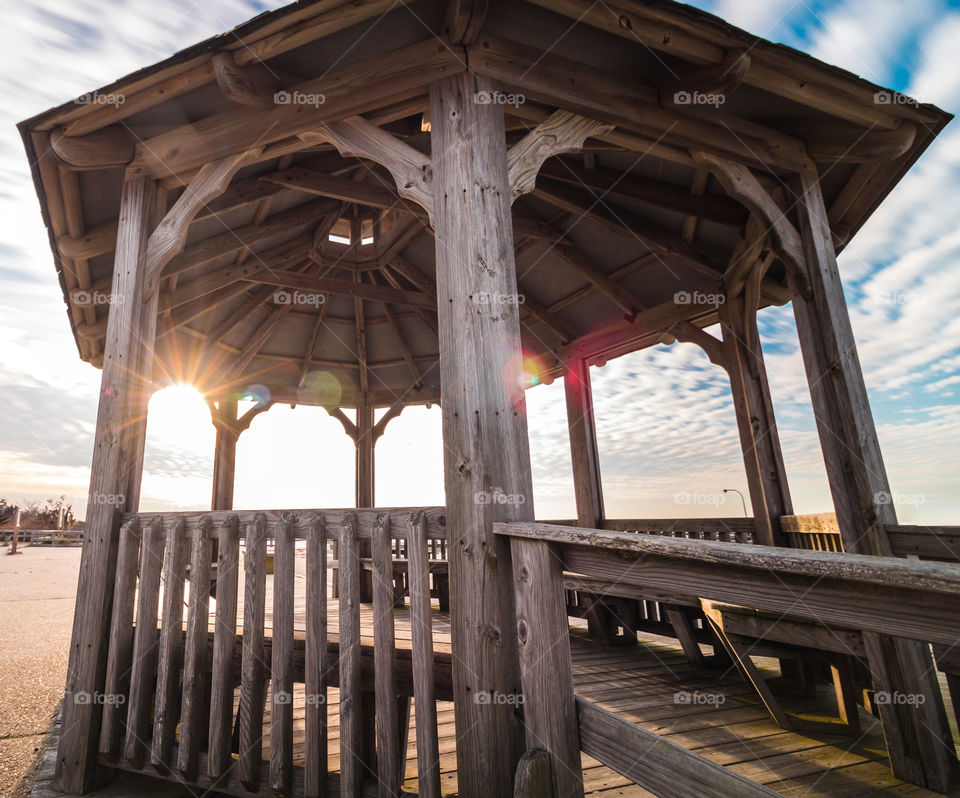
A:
(710, 711)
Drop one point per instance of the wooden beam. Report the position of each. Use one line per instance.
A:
(874, 146)
(722, 78)
(655, 193)
(167, 240)
(95, 241)
(210, 249)
(886, 595)
(313, 182)
(312, 344)
(356, 137)
(605, 284)
(713, 347)
(484, 421)
(562, 132)
(387, 77)
(117, 464)
(401, 342)
(108, 148)
(283, 278)
(464, 20)
(633, 106)
(629, 225)
(792, 76)
(655, 763)
(252, 85)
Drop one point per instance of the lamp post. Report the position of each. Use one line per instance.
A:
(743, 501)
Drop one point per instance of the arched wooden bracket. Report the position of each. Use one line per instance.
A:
(381, 426)
(741, 184)
(348, 426)
(167, 240)
(562, 131)
(688, 332)
(713, 79)
(356, 137)
(108, 148)
(237, 425)
(250, 85)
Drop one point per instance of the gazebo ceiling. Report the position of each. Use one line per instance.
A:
(311, 276)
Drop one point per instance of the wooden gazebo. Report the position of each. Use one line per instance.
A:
(363, 205)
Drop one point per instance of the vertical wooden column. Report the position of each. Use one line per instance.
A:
(365, 454)
(759, 440)
(486, 449)
(918, 737)
(117, 463)
(225, 456)
(583, 444)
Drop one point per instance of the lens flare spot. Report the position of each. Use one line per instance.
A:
(259, 394)
(321, 388)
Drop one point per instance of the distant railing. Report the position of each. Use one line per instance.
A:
(888, 595)
(194, 733)
(43, 537)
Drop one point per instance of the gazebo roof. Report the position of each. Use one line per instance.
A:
(609, 243)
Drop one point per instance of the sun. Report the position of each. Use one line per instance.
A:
(179, 417)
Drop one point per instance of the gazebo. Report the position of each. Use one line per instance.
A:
(372, 204)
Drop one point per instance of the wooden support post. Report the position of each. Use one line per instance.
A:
(486, 450)
(225, 457)
(117, 462)
(918, 736)
(759, 440)
(366, 444)
(587, 486)
(583, 444)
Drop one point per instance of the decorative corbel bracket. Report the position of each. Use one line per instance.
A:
(357, 138)
(562, 131)
(167, 240)
(741, 184)
(690, 333)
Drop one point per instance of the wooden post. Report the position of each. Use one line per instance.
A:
(583, 444)
(365, 458)
(918, 736)
(225, 457)
(117, 464)
(762, 455)
(366, 444)
(486, 450)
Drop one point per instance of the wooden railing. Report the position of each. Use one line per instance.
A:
(227, 677)
(887, 595)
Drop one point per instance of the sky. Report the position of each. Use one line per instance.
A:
(666, 426)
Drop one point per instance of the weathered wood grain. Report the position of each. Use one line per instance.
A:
(281, 661)
(350, 686)
(316, 663)
(224, 644)
(253, 668)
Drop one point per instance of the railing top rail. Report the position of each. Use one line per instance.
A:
(866, 569)
(434, 518)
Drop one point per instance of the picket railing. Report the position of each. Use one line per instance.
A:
(185, 696)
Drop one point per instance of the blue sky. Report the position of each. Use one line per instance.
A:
(665, 418)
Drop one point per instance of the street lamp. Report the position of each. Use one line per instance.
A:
(742, 500)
